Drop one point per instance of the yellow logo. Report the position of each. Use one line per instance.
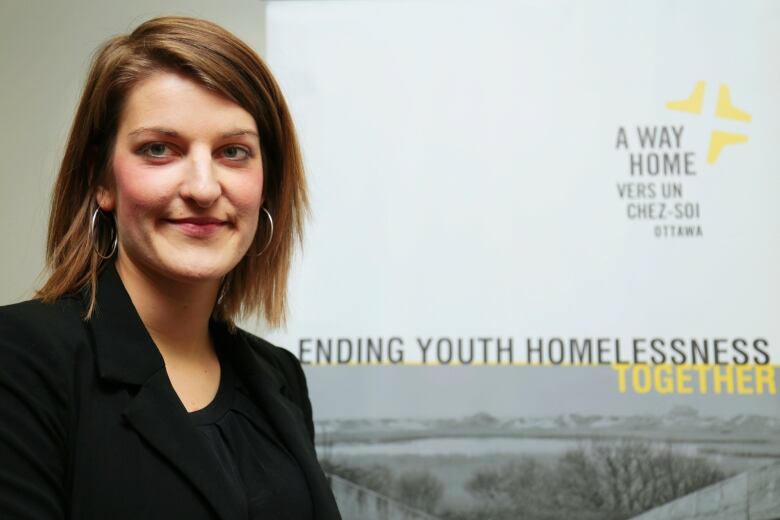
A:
(723, 109)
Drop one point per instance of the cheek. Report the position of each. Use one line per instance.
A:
(138, 192)
(246, 197)
(247, 193)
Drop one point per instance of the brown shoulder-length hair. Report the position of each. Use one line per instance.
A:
(222, 63)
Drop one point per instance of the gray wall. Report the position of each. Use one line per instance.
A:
(45, 49)
(359, 503)
(753, 495)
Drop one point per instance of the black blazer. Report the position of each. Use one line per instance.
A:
(91, 428)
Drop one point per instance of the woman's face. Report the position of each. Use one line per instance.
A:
(187, 180)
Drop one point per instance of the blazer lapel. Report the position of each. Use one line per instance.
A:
(266, 385)
(158, 416)
(126, 353)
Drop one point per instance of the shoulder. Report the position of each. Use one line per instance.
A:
(62, 310)
(39, 350)
(49, 329)
(281, 359)
(288, 368)
(37, 355)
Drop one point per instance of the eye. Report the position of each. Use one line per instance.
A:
(236, 153)
(155, 150)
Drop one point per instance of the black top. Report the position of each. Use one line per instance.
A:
(92, 429)
(264, 478)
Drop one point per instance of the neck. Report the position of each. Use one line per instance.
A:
(175, 313)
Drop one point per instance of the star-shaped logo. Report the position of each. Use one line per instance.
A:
(724, 109)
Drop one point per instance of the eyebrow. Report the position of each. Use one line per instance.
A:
(173, 133)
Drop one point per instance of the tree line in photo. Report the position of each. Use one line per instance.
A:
(606, 481)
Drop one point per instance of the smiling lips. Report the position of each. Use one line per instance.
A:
(198, 226)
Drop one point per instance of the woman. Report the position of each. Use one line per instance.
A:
(126, 390)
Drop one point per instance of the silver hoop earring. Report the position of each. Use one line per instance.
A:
(92, 236)
(222, 290)
(270, 234)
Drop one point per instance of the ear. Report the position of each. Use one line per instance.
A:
(104, 196)
(105, 199)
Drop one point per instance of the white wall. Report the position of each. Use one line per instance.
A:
(45, 51)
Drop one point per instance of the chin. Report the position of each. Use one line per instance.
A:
(183, 266)
(198, 272)
(191, 268)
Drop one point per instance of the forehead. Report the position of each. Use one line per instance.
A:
(171, 100)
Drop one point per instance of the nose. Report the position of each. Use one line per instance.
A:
(201, 183)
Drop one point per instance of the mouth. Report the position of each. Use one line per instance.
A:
(198, 227)
(201, 221)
